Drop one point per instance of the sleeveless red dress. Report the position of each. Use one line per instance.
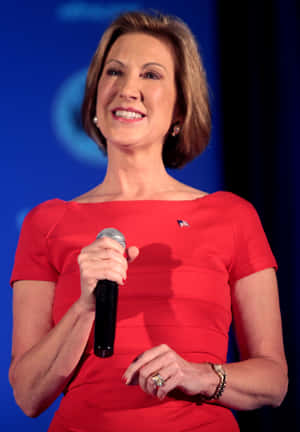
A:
(178, 292)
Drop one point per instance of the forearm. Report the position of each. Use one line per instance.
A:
(40, 375)
(253, 383)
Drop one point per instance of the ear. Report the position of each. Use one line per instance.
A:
(177, 118)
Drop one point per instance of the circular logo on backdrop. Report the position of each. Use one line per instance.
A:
(67, 122)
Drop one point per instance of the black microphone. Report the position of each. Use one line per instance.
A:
(106, 293)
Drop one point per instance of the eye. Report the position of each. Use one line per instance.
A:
(113, 72)
(152, 75)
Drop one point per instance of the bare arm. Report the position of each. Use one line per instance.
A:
(260, 378)
(45, 357)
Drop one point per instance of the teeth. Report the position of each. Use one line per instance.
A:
(127, 114)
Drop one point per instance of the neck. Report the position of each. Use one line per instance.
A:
(136, 176)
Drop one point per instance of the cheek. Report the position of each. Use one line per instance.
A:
(103, 93)
(165, 100)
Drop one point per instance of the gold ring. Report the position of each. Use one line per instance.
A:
(158, 380)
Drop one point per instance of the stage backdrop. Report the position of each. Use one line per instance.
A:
(47, 46)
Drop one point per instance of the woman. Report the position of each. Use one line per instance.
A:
(194, 262)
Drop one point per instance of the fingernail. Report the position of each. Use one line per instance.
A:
(133, 380)
(125, 380)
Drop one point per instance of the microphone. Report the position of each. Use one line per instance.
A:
(106, 293)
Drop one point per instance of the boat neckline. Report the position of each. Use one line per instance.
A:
(208, 195)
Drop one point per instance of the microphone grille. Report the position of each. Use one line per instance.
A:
(114, 234)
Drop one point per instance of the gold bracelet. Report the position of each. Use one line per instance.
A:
(219, 370)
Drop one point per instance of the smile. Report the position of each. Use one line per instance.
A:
(127, 115)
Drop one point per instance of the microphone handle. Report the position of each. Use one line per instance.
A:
(106, 293)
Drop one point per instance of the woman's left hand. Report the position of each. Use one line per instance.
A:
(191, 378)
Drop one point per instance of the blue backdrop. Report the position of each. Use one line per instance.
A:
(46, 49)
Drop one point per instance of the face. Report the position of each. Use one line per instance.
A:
(137, 92)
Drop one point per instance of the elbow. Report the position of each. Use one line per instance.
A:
(26, 404)
(278, 384)
(281, 392)
(23, 399)
(28, 410)
(275, 390)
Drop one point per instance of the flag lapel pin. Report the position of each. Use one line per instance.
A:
(182, 223)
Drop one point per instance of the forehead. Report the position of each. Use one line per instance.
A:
(142, 48)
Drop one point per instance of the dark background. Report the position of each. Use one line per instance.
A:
(260, 70)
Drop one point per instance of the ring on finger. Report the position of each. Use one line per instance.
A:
(158, 380)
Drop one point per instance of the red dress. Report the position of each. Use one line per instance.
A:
(178, 292)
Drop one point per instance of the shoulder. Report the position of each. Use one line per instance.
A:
(242, 216)
(231, 208)
(44, 216)
(233, 203)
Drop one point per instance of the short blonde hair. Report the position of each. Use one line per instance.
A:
(192, 90)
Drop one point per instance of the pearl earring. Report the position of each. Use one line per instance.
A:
(176, 130)
(95, 120)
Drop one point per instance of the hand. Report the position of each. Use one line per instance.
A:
(102, 259)
(191, 378)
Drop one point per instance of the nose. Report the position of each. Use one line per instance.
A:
(129, 88)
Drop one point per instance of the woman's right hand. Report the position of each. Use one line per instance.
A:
(102, 259)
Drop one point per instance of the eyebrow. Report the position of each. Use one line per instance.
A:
(144, 66)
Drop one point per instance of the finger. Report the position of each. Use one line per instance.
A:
(89, 254)
(108, 243)
(100, 266)
(103, 244)
(93, 272)
(170, 384)
(103, 255)
(151, 369)
(132, 253)
(109, 255)
(139, 362)
(146, 357)
(165, 372)
(95, 264)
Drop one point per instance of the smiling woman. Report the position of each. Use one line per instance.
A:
(182, 60)
(202, 261)
(136, 98)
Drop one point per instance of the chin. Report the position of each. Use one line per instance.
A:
(129, 143)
